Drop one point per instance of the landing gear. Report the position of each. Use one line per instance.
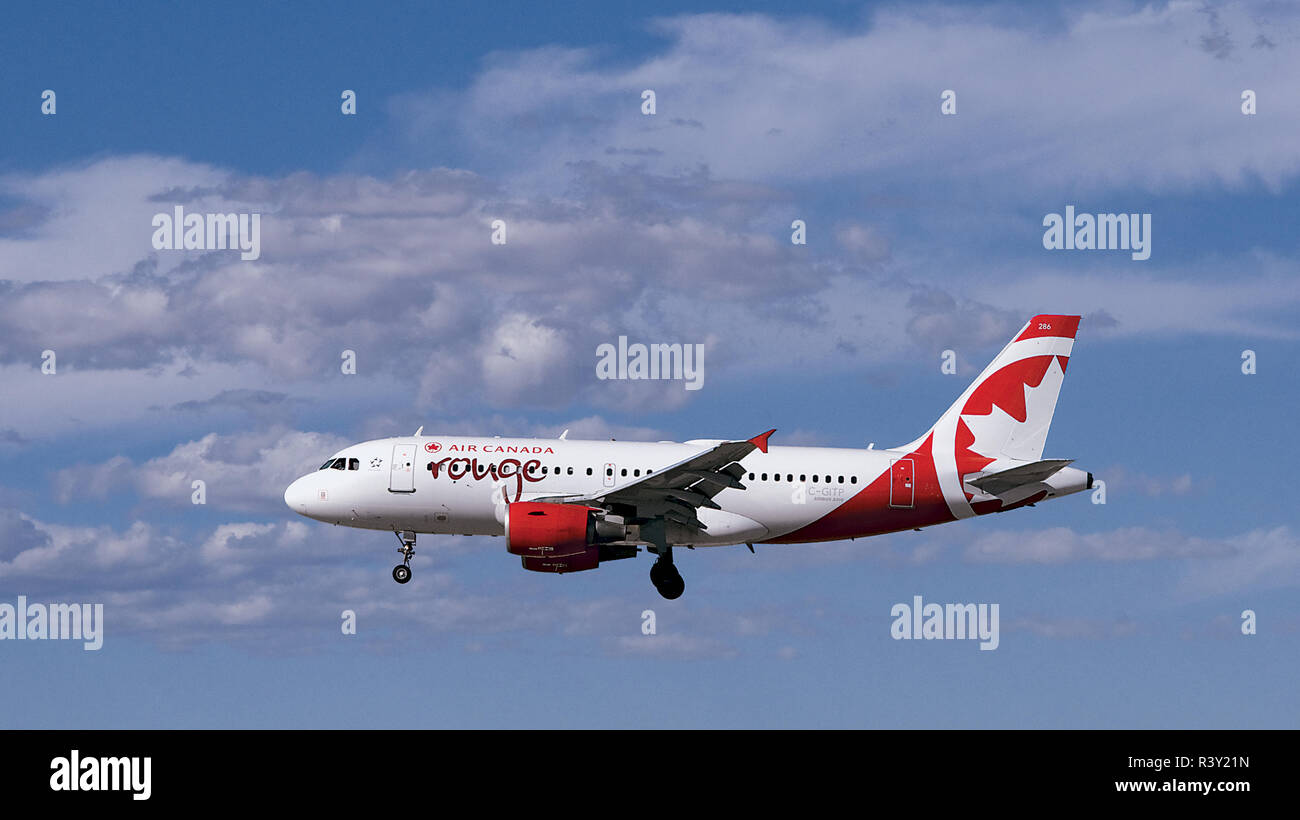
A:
(664, 575)
(402, 572)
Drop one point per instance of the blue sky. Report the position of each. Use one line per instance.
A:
(924, 234)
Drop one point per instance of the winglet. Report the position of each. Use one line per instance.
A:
(760, 441)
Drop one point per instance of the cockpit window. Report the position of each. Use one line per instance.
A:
(354, 464)
(326, 465)
(339, 464)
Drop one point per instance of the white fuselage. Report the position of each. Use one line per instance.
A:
(388, 484)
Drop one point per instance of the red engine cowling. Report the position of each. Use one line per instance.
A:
(572, 563)
(546, 531)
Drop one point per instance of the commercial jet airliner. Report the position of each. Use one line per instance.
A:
(570, 506)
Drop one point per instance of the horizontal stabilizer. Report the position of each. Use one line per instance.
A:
(1032, 473)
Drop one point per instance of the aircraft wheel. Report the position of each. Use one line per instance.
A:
(672, 588)
(401, 573)
(657, 574)
(667, 580)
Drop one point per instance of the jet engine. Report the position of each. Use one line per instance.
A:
(563, 537)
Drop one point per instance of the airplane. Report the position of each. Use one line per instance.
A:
(569, 506)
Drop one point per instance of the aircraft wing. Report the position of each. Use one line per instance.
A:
(677, 491)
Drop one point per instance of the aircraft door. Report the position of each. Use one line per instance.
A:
(401, 477)
(902, 489)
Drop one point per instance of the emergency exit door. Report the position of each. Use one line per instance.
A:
(902, 483)
(401, 475)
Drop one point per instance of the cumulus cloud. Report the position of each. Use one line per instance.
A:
(521, 355)
(675, 227)
(940, 322)
(256, 402)
(400, 271)
(865, 242)
(281, 587)
(107, 203)
(242, 471)
(1259, 559)
(1073, 101)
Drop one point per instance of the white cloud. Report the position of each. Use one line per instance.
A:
(1121, 478)
(1207, 566)
(1259, 559)
(1105, 99)
(1058, 545)
(520, 356)
(1072, 627)
(108, 204)
(675, 645)
(241, 471)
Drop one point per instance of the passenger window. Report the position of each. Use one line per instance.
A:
(624, 471)
(570, 471)
(588, 471)
(609, 471)
(789, 476)
(841, 479)
(803, 477)
(814, 479)
(751, 476)
(636, 473)
(853, 479)
(776, 476)
(765, 476)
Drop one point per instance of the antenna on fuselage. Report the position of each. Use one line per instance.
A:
(419, 431)
(564, 435)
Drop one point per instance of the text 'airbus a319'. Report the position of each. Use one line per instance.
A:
(569, 506)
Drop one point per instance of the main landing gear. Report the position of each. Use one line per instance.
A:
(665, 577)
(663, 574)
(402, 572)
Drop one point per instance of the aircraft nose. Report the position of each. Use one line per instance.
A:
(298, 495)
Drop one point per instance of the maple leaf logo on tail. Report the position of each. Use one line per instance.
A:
(1005, 414)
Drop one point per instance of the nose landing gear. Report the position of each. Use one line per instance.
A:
(402, 572)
